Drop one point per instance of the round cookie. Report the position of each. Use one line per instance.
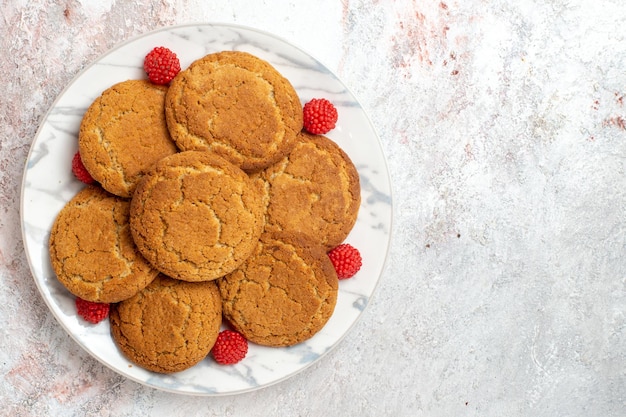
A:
(196, 216)
(236, 105)
(92, 251)
(315, 190)
(169, 326)
(123, 133)
(283, 294)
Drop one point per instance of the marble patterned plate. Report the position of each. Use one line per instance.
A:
(48, 184)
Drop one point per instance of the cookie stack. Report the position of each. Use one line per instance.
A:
(212, 206)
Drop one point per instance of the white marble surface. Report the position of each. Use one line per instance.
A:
(504, 128)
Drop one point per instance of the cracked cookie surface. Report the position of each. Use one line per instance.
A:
(283, 294)
(92, 251)
(169, 326)
(236, 105)
(314, 190)
(123, 133)
(195, 216)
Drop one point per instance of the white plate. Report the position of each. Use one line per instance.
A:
(48, 185)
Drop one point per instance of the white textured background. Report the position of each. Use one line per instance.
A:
(504, 127)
